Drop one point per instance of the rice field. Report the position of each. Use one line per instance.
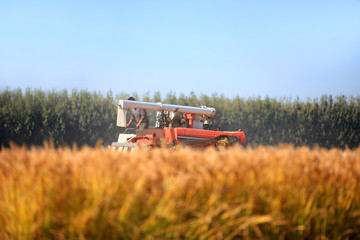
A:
(239, 193)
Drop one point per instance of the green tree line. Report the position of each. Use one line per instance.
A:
(31, 117)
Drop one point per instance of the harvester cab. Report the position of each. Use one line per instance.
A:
(175, 124)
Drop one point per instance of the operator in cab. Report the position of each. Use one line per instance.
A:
(140, 116)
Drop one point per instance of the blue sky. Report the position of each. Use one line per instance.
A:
(235, 48)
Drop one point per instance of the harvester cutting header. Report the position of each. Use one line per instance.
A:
(175, 124)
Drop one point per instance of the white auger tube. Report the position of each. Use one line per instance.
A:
(125, 104)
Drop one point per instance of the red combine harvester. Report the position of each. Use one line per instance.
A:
(175, 125)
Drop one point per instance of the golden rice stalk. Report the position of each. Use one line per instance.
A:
(237, 193)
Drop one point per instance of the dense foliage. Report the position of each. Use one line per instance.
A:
(33, 116)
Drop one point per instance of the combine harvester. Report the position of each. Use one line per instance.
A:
(175, 125)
